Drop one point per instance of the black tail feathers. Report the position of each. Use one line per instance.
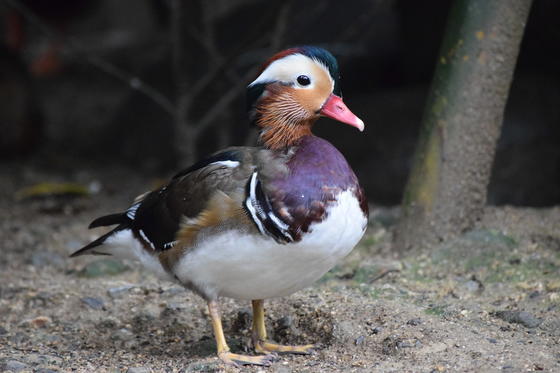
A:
(106, 220)
(103, 221)
(88, 248)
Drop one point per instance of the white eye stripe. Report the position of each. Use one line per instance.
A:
(289, 68)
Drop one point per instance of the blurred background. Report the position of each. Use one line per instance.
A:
(151, 85)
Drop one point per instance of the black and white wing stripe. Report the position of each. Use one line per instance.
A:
(260, 211)
(131, 212)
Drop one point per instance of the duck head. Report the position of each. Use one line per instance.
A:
(295, 88)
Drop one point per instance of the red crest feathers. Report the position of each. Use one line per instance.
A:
(278, 56)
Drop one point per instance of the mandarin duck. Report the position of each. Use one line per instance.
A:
(253, 223)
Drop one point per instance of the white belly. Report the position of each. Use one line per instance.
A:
(242, 266)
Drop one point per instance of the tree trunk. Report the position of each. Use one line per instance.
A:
(446, 190)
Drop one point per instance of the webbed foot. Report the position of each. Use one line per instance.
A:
(265, 347)
(236, 359)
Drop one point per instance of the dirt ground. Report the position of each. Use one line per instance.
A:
(488, 301)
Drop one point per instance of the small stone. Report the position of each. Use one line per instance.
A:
(41, 359)
(96, 304)
(14, 366)
(408, 343)
(176, 306)
(553, 285)
(107, 324)
(525, 285)
(202, 367)
(515, 261)
(132, 344)
(492, 340)
(40, 300)
(414, 322)
(39, 322)
(118, 291)
(519, 317)
(123, 335)
(377, 330)
(285, 326)
(534, 294)
(359, 340)
(146, 316)
(103, 267)
(285, 322)
(472, 286)
(3, 331)
(138, 370)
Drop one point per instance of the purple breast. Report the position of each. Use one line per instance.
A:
(318, 173)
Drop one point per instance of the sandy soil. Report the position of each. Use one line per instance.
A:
(488, 301)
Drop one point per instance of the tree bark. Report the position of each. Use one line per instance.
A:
(446, 190)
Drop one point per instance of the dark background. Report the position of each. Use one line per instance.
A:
(70, 114)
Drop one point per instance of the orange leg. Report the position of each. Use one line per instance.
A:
(223, 349)
(262, 345)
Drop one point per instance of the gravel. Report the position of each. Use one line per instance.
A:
(97, 314)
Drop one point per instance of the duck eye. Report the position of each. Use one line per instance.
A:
(303, 80)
